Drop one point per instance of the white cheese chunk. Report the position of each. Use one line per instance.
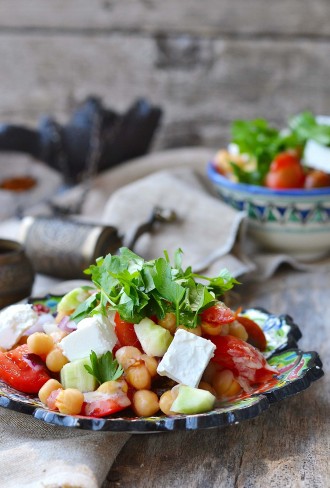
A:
(93, 334)
(317, 156)
(14, 321)
(186, 358)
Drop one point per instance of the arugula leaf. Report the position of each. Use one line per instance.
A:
(104, 368)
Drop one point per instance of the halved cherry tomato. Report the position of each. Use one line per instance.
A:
(23, 371)
(285, 172)
(218, 314)
(256, 335)
(125, 333)
(244, 360)
(102, 404)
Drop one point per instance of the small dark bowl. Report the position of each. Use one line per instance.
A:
(16, 273)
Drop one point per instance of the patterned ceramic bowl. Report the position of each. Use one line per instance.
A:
(295, 222)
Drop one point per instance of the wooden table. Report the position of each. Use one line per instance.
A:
(286, 446)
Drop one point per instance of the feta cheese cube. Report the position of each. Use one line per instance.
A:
(14, 321)
(94, 333)
(186, 358)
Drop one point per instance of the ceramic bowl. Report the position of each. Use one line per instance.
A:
(295, 222)
(16, 273)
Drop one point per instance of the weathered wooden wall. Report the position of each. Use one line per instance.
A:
(205, 62)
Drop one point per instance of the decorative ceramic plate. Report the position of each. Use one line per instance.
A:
(296, 371)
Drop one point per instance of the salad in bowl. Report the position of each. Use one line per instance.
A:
(146, 339)
(281, 179)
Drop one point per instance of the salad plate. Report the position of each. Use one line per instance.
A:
(296, 371)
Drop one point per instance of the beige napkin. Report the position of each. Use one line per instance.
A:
(212, 235)
(34, 454)
(205, 229)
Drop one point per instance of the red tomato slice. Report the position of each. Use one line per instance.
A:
(99, 404)
(23, 371)
(256, 335)
(125, 333)
(244, 360)
(218, 314)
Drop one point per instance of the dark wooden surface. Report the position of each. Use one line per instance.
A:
(286, 446)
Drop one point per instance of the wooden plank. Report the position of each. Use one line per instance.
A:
(202, 84)
(288, 445)
(210, 17)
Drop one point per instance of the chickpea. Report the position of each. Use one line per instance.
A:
(69, 401)
(151, 364)
(47, 389)
(127, 356)
(168, 322)
(238, 330)
(225, 384)
(145, 403)
(194, 330)
(40, 343)
(113, 387)
(55, 360)
(139, 377)
(206, 386)
(213, 330)
(224, 329)
(166, 402)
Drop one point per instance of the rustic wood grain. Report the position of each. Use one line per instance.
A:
(210, 17)
(201, 84)
(206, 63)
(286, 446)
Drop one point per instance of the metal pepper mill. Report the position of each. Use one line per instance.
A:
(64, 248)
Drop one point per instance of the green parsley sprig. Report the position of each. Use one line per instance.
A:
(104, 368)
(137, 288)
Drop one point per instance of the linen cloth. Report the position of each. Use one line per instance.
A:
(211, 235)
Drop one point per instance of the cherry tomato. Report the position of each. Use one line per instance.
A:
(244, 360)
(125, 333)
(103, 404)
(23, 371)
(256, 335)
(218, 314)
(317, 179)
(285, 172)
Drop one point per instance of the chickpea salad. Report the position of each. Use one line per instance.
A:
(148, 337)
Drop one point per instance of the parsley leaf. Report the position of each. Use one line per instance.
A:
(104, 368)
(137, 289)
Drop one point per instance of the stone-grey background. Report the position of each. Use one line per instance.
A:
(206, 62)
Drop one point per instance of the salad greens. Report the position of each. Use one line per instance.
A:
(261, 142)
(137, 288)
(104, 368)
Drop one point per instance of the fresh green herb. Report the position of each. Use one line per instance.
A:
(305, 126)
(137, 288)
(104, 368)
(87, 308)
